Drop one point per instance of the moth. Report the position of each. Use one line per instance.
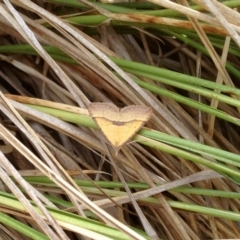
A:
(119, 125)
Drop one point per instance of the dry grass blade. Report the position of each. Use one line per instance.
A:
(11, 170)
(212, 6)
(219, 80)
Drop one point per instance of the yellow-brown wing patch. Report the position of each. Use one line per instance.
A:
(119, 125)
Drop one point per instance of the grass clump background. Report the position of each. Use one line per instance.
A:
(178, 177)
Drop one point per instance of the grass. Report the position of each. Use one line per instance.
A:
(177, 178)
